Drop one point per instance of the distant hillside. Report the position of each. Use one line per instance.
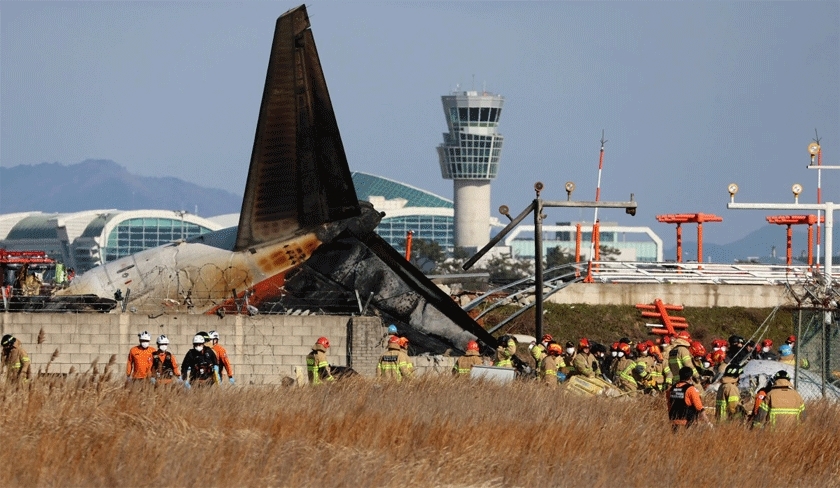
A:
(95, 184)
(758, 244)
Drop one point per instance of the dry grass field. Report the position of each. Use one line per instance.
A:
(434, 431)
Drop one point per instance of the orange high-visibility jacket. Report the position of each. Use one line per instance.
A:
(224, 361)
(139, 365)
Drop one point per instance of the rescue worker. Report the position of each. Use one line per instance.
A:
(406, 366)
(624, 369)
(783, 406)
(390, 360)
(15, 360)
(164, 366)
(615, 355)
(505, 352)
(680, 355)
(719, 344)
(766, 351)
(317, 367)
(139, 364)
(728, 401)
(760, 395)
(567, 367)
(644, 372)
(600, 353)
(548, 366)
(660, 371)
(684, 403)
(584, 362)
(787, 356)
(702, 364)
(199, 366)
(464, 364)
(221, 356)
(537, 351)
(737, 352)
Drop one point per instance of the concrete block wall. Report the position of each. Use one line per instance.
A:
(687, 294)
(263, 349)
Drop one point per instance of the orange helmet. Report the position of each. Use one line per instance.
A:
(472, 346)
(547, 338)
(655, 350)
(554, 349)
(791, 339)
(719, 343)
(666, 340)
(403, 342)
(615, 346)
(394, 340)
(642, 347)
(697, 349)
(625, 348)
(767, 343)
(323, 341)
(683, 334)
(584, 342)
(718, 357)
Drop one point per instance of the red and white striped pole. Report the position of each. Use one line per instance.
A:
(594, 249)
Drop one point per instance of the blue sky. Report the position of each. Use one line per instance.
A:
(692, 95)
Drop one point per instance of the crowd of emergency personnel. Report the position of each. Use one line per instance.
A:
(678, 368)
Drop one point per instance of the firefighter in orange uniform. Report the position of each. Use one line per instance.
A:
(140, 359)
(221, 356)
(684, 403)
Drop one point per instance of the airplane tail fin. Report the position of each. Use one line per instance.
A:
(299, 176)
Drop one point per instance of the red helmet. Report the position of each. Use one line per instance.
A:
(719, 343)
(625, 348)
(554, 349)
(615, 346)
(683, 334)
(697, 349)
(584, 342)
(718, 357)
(394, 339)
(547, 338)
(323, 341)
(403, 342)
(791, 339)
(642, 347)
(666, 340)
(767, 343)
(472, 346)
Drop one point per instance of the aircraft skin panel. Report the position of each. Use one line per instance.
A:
(298, 175)
(194, 276)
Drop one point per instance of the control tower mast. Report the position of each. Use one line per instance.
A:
(470, 156)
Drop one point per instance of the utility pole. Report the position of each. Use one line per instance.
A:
(537, 206)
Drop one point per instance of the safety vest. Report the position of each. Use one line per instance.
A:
(679, 409)
(318, 369)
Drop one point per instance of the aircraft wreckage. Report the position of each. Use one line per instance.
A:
(303, 236)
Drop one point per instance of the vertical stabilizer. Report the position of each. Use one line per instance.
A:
(298, 176)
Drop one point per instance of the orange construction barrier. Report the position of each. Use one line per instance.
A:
(659, 310)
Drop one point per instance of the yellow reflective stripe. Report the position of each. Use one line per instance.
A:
(733, 398)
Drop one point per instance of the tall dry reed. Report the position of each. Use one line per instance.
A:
(434, 431)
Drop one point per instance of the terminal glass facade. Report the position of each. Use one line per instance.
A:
(427, 227)
(134, 235)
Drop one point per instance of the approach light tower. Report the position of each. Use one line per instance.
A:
(470, 156)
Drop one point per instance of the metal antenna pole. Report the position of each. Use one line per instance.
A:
(819, 195)
(597, 197)
(538, 269)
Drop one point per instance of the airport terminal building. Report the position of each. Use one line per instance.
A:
(83, 240)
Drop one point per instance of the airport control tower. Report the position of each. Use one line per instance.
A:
(470, 156)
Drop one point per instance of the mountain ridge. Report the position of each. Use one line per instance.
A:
(102, 183)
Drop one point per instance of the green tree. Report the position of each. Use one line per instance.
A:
(424, 251)
(556, 256)
(609, 253)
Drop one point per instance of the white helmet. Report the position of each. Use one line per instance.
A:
(163, 340)
(198, 339)
(214, 335)
(144, 336)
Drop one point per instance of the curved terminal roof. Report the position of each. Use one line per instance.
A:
(368, 185)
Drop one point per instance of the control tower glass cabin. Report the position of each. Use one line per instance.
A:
(469, 156)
